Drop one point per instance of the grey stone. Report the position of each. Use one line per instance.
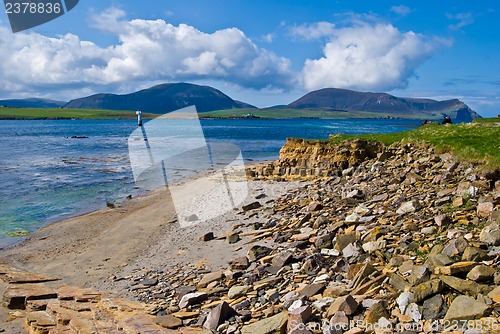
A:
(403, 300)
(240, 263)
(273, 325)
(238, 291)
(257, 252)
(398, 283)
(442, 220)
(345, 304)
(251, 206)
(455, 247)
(324, 241)
(192, 298)
(409, 207)
(218, 315)
(465, 286)
(484, 209)
(373, 246)
(342, 240)
(149, 281)
(233, 238)
(428, 230)
(376, 312)
(437, 260)
(311, 289)
(168, 321)
(465, 308)
(281, 259)
(413, 312)
(207, 236)
(475, 254)
(418, 275)
(353, 218)
(426, 289)
(351, 250)
(491, 234)
(481, 273)
(432, 307)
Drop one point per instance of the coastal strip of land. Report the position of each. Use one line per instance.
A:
(352, 235)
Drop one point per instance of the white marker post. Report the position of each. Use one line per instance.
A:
(139, 117)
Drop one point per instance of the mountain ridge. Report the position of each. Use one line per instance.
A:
(348, 100)
(168, 97)
(161, 99)
(32, 103)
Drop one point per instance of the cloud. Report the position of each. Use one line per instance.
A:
(313, 31)
(369, 57)
(463, 19)
(111, 20)
(401, 10)
(147, 51)
(268, 38)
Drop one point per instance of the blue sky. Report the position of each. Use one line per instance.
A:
(261, 52)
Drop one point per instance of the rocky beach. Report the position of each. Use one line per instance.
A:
(355, 237)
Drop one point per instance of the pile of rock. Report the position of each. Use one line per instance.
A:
(68, 309)
(408, 241)
(405, 240)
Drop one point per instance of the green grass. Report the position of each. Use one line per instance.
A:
(487, 120)
(63, 113)
(469, 142)
(301, 113)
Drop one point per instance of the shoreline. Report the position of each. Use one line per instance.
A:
(58, 234)
(9, 241)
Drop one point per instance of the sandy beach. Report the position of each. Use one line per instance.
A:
(141, 234)
(94, 249)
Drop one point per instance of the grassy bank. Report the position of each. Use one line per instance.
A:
(477, 142)
(63, 113)
(278, 113)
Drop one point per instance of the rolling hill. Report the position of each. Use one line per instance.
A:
(323, 103)
(31, 103)
(347, 100)
(161, 99)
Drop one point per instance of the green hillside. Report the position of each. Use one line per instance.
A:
(60, 113)
(478, 141)
(277, 113)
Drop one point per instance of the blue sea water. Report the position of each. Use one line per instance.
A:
(54, 169)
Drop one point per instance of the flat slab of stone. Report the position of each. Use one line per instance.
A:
(465, 286)
(19, 277)
(15, 296)
(465, 308)
(455, 268)
(275, 325)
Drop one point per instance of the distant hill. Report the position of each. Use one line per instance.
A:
(32, 103)
(161, 99)
(347, 100)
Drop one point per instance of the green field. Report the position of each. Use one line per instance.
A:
(477, 142)
(276, 113)
(63, 113)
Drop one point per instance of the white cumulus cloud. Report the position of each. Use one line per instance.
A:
(148, 50)
(314, 30)
(401, 10)
(368, 57)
